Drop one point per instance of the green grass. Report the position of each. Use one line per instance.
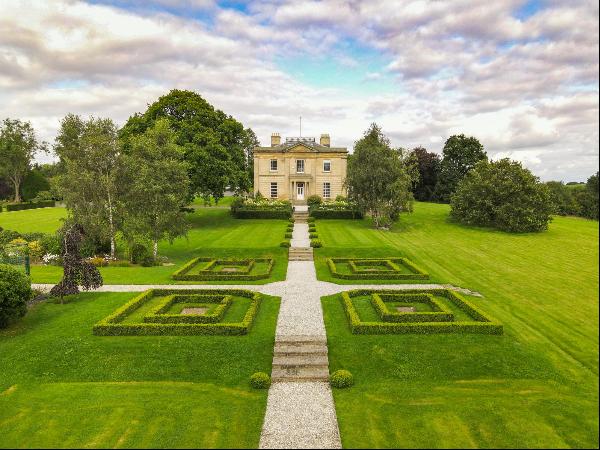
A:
(41, 220)
(214, 233)
(61, 386)
(535, 386)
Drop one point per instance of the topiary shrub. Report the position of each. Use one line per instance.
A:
(285, 244)
(260, 380)
(313, 236)
(316, 243)
(341, 379)
(288, 235)
(15, 291)
(314, 200)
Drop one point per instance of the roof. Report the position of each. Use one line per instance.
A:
(311, 145)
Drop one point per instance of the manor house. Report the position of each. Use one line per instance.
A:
(300, 167)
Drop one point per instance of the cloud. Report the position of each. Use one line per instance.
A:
(526, 87)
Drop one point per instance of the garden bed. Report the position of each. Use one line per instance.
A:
(207, 269)
(375, 269)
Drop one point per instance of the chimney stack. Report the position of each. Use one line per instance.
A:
(275, 139)
(325, 141)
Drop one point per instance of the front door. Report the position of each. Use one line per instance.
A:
(299, 191)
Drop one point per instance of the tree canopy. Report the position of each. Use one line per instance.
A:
(380, 178)
(503, 195)
(215, 145)
(428, 164)
(460, 155)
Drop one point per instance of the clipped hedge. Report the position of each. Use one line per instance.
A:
(113, 325)
(207, 274)
(481, 323)
(252, 213)
(440, 312)
(392, 273)
(160, 314)
(29, 205)
(319, 213)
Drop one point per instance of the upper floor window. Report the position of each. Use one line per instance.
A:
(300, 166)
(273, 190)
(327, 166)
(273, 165)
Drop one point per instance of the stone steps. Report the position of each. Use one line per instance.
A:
(300, 358)
(300, 254)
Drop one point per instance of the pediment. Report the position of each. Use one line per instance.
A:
(300, 148)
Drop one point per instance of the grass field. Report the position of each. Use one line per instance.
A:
(214, 233)
(535, 386)
(60, 386)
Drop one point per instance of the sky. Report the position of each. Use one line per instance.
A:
(521, 76)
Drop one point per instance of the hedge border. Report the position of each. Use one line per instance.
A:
(417, 272)
(252, 213)
(321, 213)
(29, 205)
(111, 326)
(207, 275)
(481, 324)
(440, 312)
(160, 314)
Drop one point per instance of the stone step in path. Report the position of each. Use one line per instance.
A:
(302, 358)
(300, 254)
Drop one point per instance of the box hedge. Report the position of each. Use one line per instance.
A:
(113, 325)
(206, 274)
(29, 205)
(392, 273)
(160, 313)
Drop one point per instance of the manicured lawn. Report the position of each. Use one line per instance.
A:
(61, 386)
(214, 233)
(42, 220)
(535, 386)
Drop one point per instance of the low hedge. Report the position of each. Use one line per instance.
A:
(439, 314)
(285, 244)
(247, 213)
(113, 326)
(416, 272)
(29, 205)
(481, 323)
(320, 213)
(160, 314)
(205, 274)
(316, 243)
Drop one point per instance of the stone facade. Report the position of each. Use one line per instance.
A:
(299, 168)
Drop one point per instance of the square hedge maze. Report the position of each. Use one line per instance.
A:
(430, 311)
(157, 312)
(214, 269)
(375, 269)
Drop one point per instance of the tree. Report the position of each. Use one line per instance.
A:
(155, 182)
(18, 146)
(379, 178)
(563, 199)
(34, 182)
(250, 142)
(90, 156)
(76, 271)
(215, 144)
(588, 198)
(460, 155)
(429, 168)
(503, 195)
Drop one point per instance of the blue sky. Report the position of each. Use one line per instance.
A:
(522, 76)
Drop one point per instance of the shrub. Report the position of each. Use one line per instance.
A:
(314, 200)
(313, 236)
(288, 235)
(311, 219)
(29, 205)
(260, 380)
(98, 261)
(316, 243)
(341, 379)
(285, 244)
(207, 272)
(138, 252)
(43, 196)
(15, 291)
(261, 208)
(503, 195)
(416, 273)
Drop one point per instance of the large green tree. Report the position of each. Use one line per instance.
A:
(89, 153)
(380, 178)
(460, 155)
(154, 182)
(588, 198)
(504, 195)
(428, 164)
(18, 146)
(214, 143)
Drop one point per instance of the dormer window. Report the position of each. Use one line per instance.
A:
(327, 166)
(299, 166)
(273, 165)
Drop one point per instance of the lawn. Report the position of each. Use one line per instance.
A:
(535, 386)
(214, 233)
(61, 386)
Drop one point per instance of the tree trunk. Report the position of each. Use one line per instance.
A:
(155, 248)
(111, 225)
(17, 186)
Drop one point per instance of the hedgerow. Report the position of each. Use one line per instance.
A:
(29, 205)
(480, 324)
(113, 325)
(392, 271)
(206, 273)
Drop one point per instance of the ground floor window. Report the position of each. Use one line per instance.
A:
(273, 190)
(326, 190)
